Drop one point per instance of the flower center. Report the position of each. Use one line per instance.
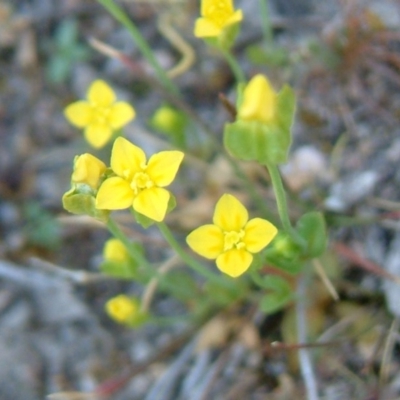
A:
(233, 239)
(101, 114)
(141, 181)
(218, 13)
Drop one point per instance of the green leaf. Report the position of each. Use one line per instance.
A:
(41, 228)
(142, 220)
(286, 106)
(279, 294)
(226, 39)
(67, 33)
(221, 295)
(273, 56)
(64, 51)
(186, 287)
(311, 226)
(58, 68)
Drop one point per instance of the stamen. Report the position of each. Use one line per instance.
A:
(141, 181)
(233, 239)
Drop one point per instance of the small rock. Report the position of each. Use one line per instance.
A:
(305, 166)
(351, 190)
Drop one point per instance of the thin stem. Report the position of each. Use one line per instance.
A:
(148, 270)
(133, 252)
(234, 65)
(255, 276)
(151, 287)
(280, 197)
(146, 50)
(306, 365)
(266, 22)
(167, 321)
(191, 262)
(250, 189)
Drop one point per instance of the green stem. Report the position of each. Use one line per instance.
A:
(280, 197)
(266, 25)
(146, 50)
(167, 321)
(196, 266)
(133, 252)
(147, 269)
(255, 276)
(251, 190)
(234, 65)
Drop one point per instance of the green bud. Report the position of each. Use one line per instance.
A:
(83, 203)
(285, 254)
(262, 130)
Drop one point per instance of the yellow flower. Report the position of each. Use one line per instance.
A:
(139, 184)
(115, 250)
(216, 16)
(259, 101)
(122, 308)
(100, 115)
(88, 169)
(232, 239)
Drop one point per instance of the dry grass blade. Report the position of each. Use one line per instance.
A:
(72, 396)
(388, 352)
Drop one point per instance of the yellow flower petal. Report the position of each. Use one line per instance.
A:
(206, 28)
(259, 101)
(120, 114)
(114, 250)
(234, 262)
(258, 233)
(126, 158)
(98, 135)
(100, 94)
(230, 214)
(79, 113)
(114, 194)
(88, 169)
(207, 240)
(237, 16)
(163, 166)
(205, 6)
(152, 203)
(217, 15)
(209, 7)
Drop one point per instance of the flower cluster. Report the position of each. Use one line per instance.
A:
(131, 181)
(261, 132)
(134, 181)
